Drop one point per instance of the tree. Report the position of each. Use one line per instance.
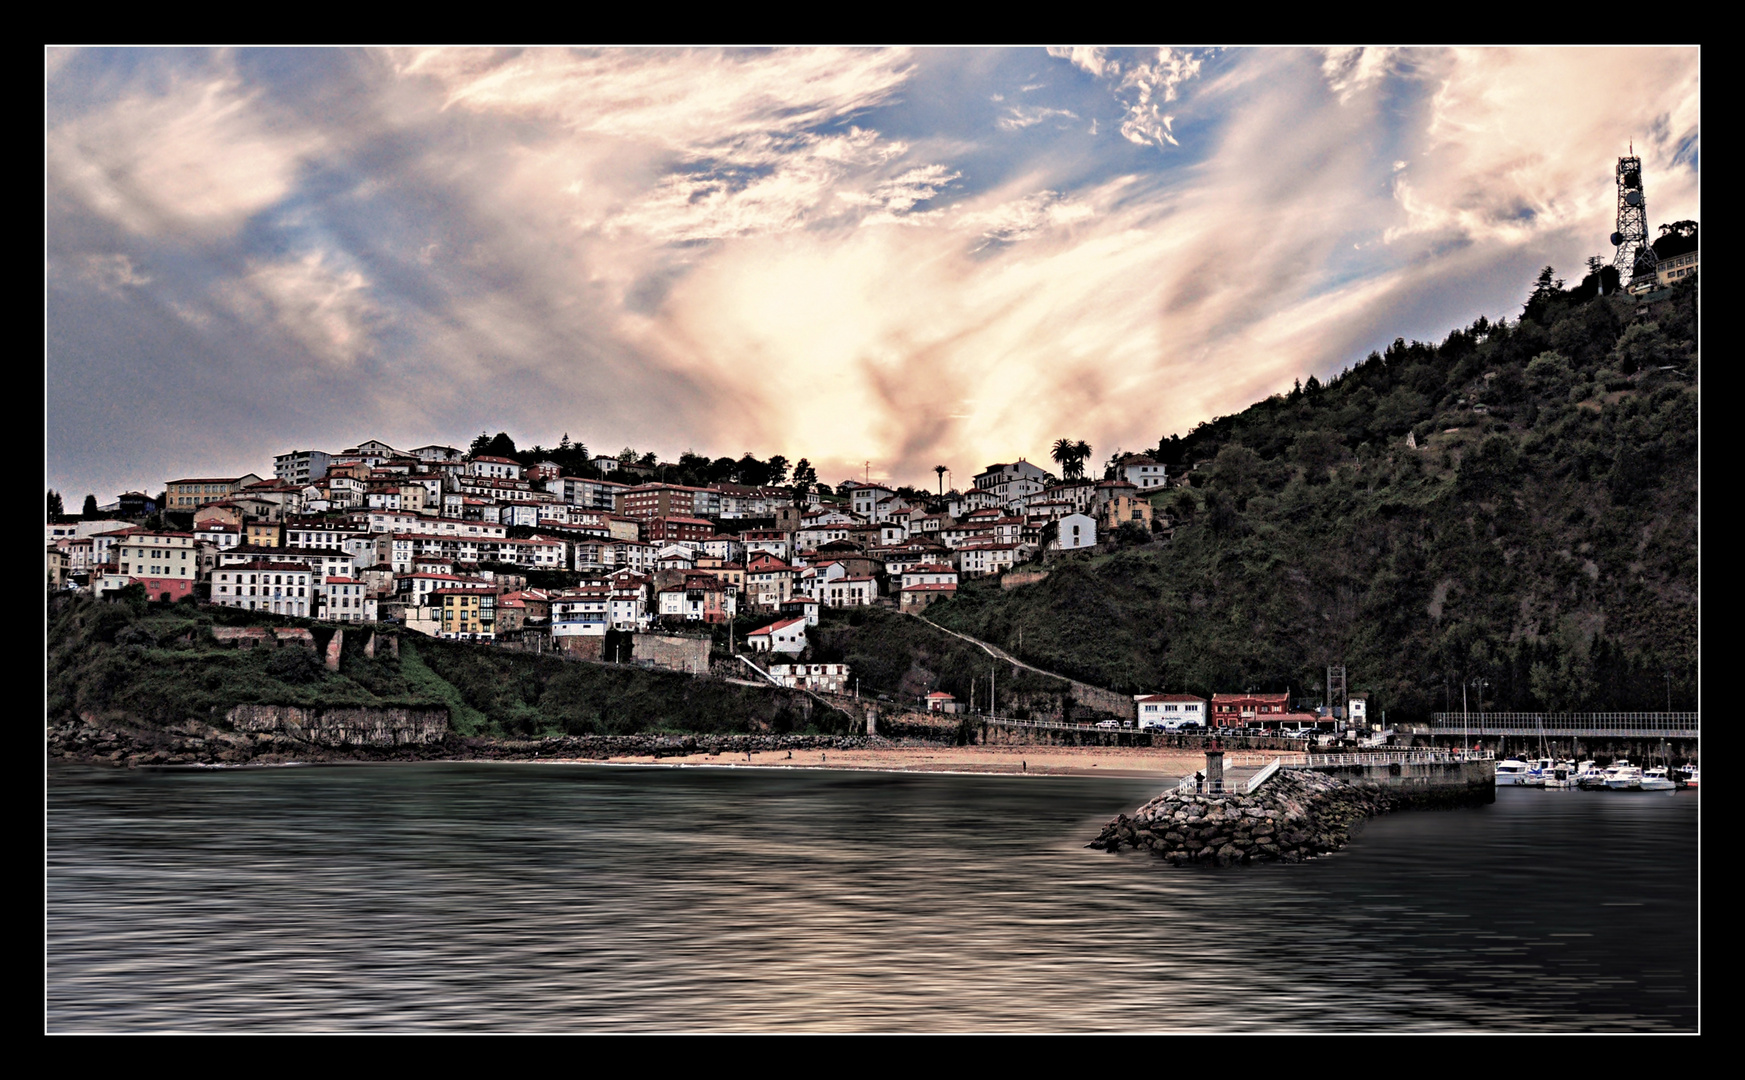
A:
(90, 512)
(479, 444)
(55, 509)
(778, 471)
(1071, 456)
(804, 477)
(940, 471)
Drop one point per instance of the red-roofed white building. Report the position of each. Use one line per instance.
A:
(282, 588)
(841, 592)
(495, 468)
(783, 636)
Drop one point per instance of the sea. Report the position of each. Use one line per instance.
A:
(473, 897)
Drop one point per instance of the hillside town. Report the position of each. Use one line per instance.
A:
(485, 547)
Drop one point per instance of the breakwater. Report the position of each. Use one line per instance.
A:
(1298, 813)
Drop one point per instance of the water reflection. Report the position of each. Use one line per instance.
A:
(575, 898)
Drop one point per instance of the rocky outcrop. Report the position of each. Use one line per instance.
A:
(1297, 815)
(272, 734)
(342, 727)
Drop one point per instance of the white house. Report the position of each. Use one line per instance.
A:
(783, 636)
(1076, 531)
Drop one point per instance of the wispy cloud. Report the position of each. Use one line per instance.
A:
(196, 161)
(326, 310)
(1142, 88)
(1351, 69)
(1017, 117)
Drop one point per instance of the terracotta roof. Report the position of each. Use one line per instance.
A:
(779, 624)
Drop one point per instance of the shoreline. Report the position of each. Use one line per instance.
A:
(1125, 763)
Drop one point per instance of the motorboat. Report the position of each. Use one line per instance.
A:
(1687, 775)
(1656, 779)
(1561, 776)
(1624, 777)
(1511, 772)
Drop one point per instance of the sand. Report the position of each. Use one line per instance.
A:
(1165, 764)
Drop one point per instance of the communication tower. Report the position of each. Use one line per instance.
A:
(1635, 259)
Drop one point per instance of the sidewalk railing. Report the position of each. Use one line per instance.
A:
(1393, 757)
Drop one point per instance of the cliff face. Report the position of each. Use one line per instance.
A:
(342, 727)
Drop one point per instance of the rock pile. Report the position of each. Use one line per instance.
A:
(1296, 815)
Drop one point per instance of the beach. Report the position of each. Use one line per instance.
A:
(1164, 764)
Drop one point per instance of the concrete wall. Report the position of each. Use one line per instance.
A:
(673, 651)
(1453, 781)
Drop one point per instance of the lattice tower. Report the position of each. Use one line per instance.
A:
(1635, 258)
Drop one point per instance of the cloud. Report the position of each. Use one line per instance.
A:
(1017, 117)
(195, 161)
(326, 310)
(673, 248)
(1521, 142)
(686, 99)
(1141, 88)
(1091, 58)
(113, 273)
(1352, 69)
(1025, 218)
(756, 186)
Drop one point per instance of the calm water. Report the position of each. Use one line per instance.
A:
(586, 898)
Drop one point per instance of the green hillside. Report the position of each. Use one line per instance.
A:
(158, 665)
(1541, 535)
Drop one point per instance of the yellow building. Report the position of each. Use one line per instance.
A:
(467, 614)
(193, 492)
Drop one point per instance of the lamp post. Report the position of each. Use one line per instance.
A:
(1480, 684)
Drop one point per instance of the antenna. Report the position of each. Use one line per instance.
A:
(1635, 260)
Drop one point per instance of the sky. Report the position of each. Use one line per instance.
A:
(881, 260)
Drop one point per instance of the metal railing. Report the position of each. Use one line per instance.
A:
(1676, 725)
(1262, 776)
(1392, 757)
(1192, 782)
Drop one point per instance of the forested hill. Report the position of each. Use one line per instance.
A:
(1540, 535)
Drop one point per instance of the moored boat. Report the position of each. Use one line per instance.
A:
(1511, 772)
(1624, 777)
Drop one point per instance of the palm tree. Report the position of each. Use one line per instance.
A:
(1062, 454)
(1071, 457)
(940, 471)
